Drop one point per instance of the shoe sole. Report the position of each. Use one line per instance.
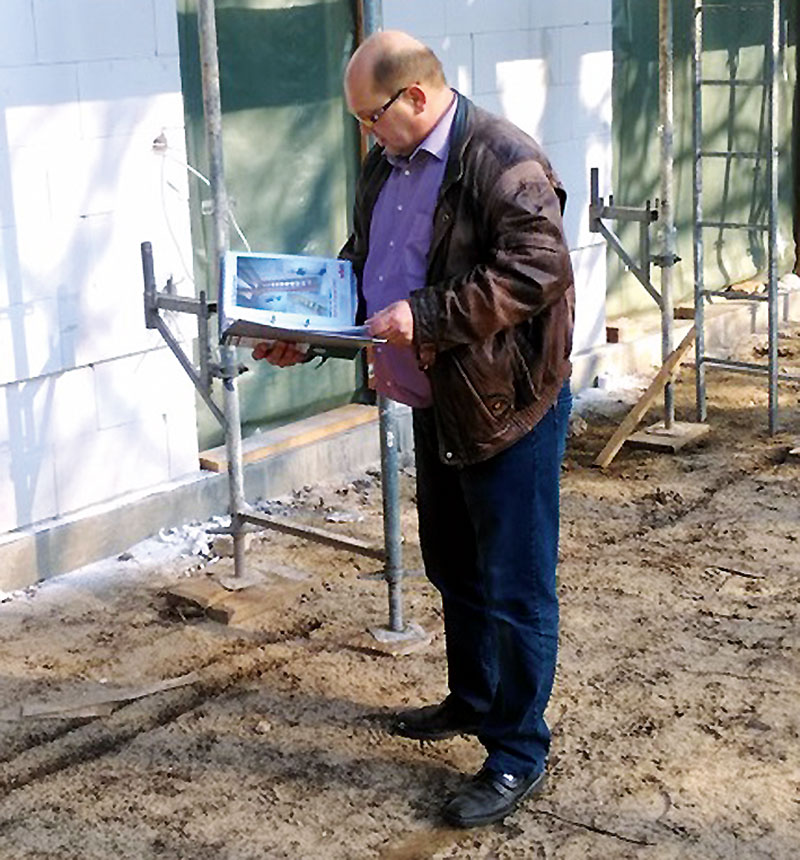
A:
(537, 786)
(412, 734)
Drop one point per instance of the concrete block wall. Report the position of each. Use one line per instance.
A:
(92, 405)
(547, 67)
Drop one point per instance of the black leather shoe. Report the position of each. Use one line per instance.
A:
(437, 722)
(491, 796)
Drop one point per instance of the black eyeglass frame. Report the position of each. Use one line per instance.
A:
(372, 119)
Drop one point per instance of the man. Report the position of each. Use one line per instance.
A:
(463, 270)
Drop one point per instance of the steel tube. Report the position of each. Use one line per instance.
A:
(212, 109)
(772, 172)
(373, 16)
(697, 237)
(313, 533)
(749, 367)
(666, 105)
(392, 535)
(626, 258)
(173, 344)
(390, 482)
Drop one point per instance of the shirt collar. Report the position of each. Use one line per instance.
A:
(437, 143)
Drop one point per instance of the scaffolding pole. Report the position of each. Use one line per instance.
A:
(667, 209)
(372, 15)
(212, 109)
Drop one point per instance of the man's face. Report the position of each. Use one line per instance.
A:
(395, 125)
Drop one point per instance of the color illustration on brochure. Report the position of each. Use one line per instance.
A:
(294, 298)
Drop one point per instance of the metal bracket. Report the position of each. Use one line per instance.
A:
(154, 302)
(645, 216)
(665, 260)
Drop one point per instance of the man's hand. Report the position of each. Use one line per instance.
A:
(281, 353)
(395, 324)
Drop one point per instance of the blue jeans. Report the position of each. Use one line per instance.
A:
(489, 539)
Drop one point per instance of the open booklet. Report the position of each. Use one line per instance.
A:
(304, 300)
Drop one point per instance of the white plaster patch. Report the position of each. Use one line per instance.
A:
(589, 266)
(422, 20)
(17, 36)
(486, 16)
(94, 29)
(27, 486)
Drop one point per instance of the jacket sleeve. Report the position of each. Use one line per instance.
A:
(350, 252)
(525, 269)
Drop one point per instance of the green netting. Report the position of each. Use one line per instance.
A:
(290, 152)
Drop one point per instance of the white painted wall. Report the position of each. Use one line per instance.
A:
(92, 405)
(547, 66)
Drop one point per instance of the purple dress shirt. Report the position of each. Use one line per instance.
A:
(399, 240)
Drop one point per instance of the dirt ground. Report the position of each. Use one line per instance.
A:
(675, 713)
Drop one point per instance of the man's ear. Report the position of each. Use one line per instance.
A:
(418, 97)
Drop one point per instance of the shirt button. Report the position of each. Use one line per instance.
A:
(407, 172)
(399, 207)
(391, 243)
(380, 277)
(448, 455)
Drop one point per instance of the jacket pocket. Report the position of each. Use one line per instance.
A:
(488, 387)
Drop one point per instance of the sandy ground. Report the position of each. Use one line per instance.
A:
(675, 713)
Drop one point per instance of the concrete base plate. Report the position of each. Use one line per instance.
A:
(658, 438)
(381, 640)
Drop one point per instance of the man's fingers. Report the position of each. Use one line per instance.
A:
(279, 353)
(261, 350)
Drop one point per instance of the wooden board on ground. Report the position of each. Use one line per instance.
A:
(293, 435)
(230, 607)
(658, 438)
(637, 413)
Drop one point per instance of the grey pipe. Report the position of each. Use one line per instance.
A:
(666, 104)
(212, 108)
(773, 68)
(373, 16)
(390, 481)
(390, 486)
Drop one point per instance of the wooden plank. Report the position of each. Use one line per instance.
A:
(659, 438)
(250, 601)
(231, 607)
(293, 435)
(636, 414)
(202, 593)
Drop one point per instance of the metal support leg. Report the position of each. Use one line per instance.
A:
(390, 485)
(667, 211)
(699, 257)
(773, 68)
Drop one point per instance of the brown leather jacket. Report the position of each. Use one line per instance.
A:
(493, 325)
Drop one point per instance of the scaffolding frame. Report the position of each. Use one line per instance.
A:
(770, 82)
(243, 516)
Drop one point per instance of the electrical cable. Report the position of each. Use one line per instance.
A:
(161, 146)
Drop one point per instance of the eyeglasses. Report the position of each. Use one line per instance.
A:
(369, 121)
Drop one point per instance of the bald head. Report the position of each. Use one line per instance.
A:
(392, 59)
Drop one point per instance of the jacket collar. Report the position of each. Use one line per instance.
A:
(459, 138)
